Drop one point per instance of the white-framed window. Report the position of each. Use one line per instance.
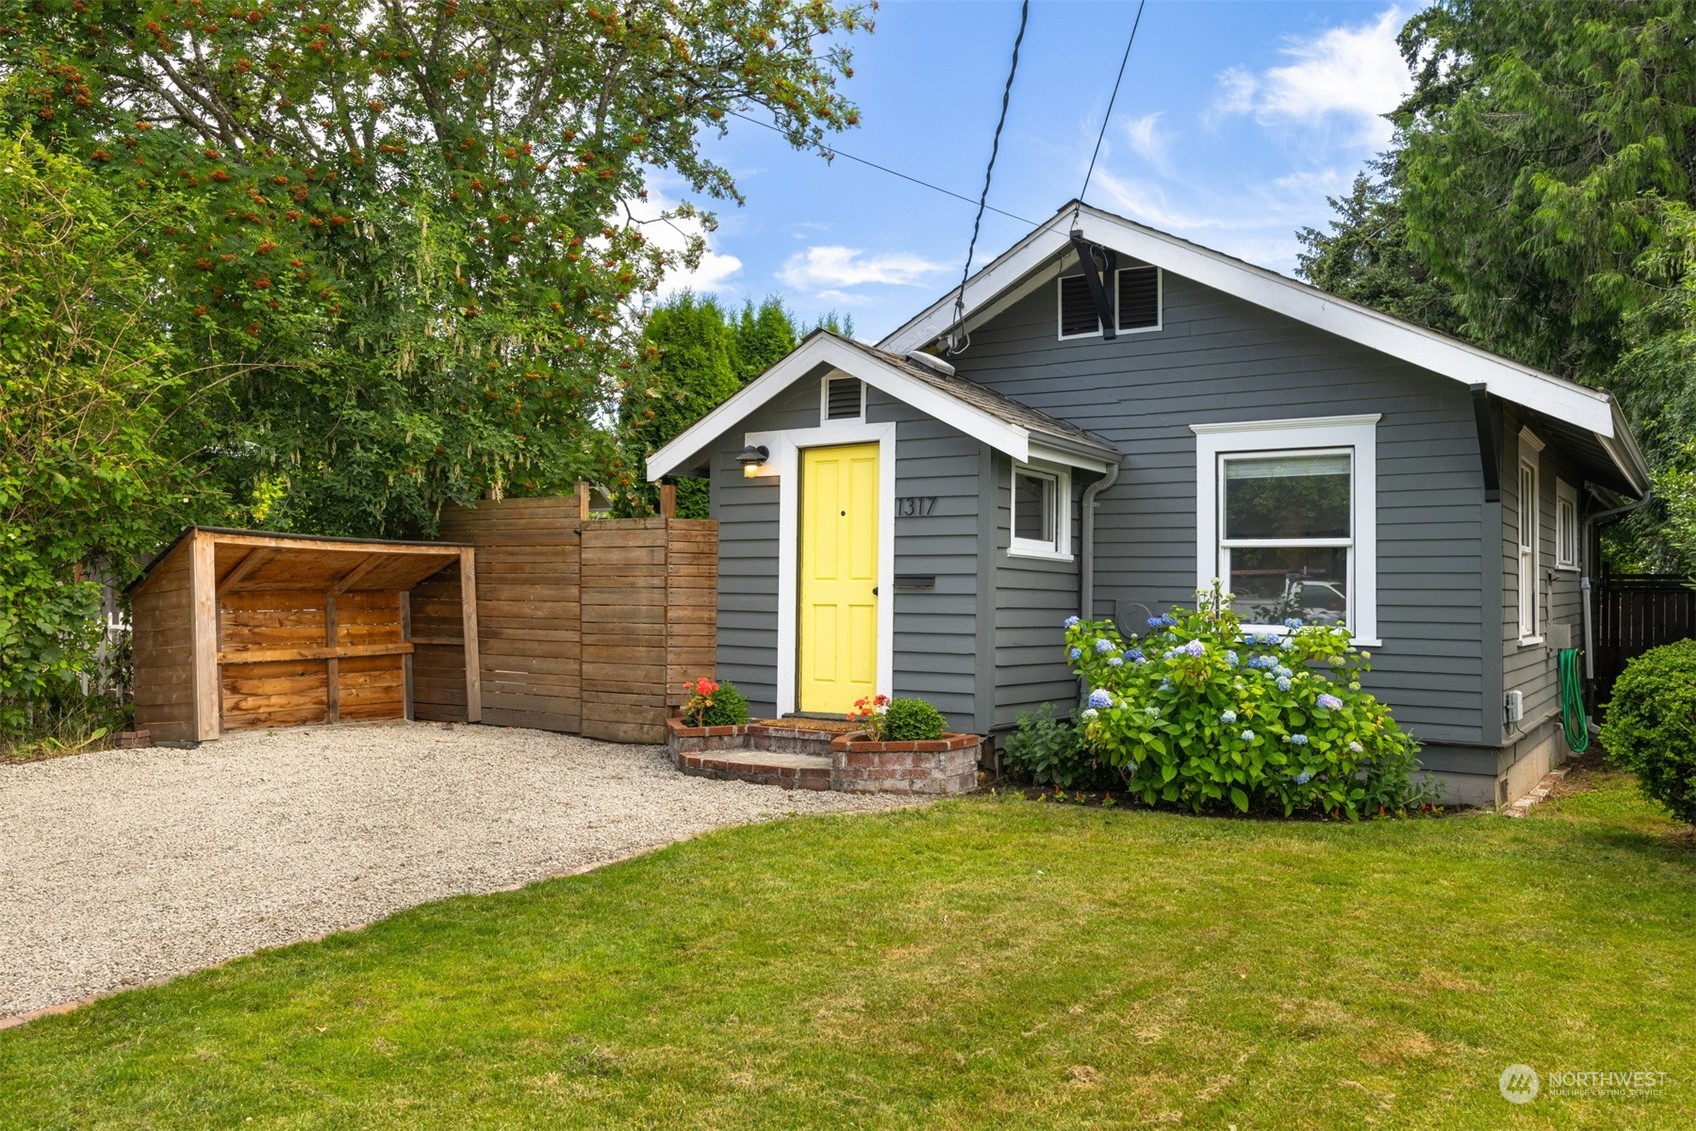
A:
(1530, 539)
(1138, 294)
(842, 400)
(1566, 525)
(1042, 513)
(1286, 519)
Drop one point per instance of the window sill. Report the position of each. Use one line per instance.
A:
(1567, 569)
(1530, 641)
(1040, 553)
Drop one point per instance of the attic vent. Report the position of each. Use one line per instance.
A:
(1139, 298)
(844, 398)
(1077, 308)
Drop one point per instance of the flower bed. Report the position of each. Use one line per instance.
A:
(857, 764)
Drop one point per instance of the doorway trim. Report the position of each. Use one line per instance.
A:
(785, 463)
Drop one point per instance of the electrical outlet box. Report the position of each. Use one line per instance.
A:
(1560, 637)
(1515, 706)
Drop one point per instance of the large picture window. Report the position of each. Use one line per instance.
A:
(1286, 520)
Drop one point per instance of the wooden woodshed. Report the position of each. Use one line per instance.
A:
(238, 629)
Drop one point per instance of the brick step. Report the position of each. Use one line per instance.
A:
(762, 767)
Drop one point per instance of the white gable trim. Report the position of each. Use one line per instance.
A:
(1563, 400)
(827, 349)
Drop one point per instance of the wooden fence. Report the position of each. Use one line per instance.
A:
(585, 625)
(1634, 612)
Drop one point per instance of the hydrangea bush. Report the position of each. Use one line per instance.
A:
(1197, 712)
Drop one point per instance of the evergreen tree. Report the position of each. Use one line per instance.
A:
(764, 336)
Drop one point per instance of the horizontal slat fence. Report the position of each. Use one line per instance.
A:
(585, 625)
(1634, 613)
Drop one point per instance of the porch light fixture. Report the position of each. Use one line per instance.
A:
(751, 458)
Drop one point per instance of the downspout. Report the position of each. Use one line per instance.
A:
(1593, 540)
(1086, 559)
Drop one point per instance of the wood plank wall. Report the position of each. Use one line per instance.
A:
(586, 626)
(438, 642)
(164, 641)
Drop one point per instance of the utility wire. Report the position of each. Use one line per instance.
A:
(1114, 97)
(989, 171)
(830, 151)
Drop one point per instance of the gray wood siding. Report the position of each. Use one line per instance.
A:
(1032, 597)
(1218, 359)
(1532, 668)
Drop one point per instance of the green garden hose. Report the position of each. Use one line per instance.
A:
(1572, 702)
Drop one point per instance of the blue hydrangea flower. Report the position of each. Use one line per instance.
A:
(1298, 739)
(1100, 698)
(1069, 622)
(1075, 653)
(1283, 683)
(1103, 646)
(1289, 644)
(1283, 671)
(1157, 622)
(1228, 717)
(1303, 778)
(1231, 659)
(1116, 662)
(1330, 702)
(1357, 748)
(1292, 622)
(1195, 648)
(1134, 655)
(1088, 713)
(1247, 736)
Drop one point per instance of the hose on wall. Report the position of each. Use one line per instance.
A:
(1577, 727)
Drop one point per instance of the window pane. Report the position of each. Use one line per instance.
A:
(1287, 497)
(1271, 583)
(1033, 508)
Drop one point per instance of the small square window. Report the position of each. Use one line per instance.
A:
(1040, 518)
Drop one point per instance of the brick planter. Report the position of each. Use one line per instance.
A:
(797, 758)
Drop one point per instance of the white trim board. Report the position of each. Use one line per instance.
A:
(1357, 432)
(785, 463)
(1544, 392)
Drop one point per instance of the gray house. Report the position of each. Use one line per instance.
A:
(1125, 416)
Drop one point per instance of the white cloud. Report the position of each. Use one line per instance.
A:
(833, 266)
(716, 267)
(1149, 142)
(1351, 73)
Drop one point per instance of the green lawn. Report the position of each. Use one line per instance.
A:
(984, 962)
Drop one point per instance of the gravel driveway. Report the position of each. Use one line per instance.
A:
(126, 866)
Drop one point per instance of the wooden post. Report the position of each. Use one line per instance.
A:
(406, 658)
(468, 626)
(582, 501)
(203, 595)
(332, 666)
(668, 500)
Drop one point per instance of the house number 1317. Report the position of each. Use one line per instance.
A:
(909, 505)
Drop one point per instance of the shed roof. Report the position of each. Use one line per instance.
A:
(264, 560)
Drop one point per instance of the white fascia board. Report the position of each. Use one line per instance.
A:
(1040, 451)
(1469, 365)
(826, 349)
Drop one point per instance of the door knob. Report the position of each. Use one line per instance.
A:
(874, 591)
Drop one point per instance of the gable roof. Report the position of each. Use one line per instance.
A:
(1001, 422)
(992, 288)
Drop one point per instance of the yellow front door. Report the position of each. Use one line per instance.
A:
(838, 629)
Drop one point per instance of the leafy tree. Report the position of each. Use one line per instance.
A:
(764, 336)
(689, 367)
(89, 475)
(415, 226)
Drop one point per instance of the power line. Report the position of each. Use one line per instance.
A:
(1114, 97)
(988, 172)
(830, 151)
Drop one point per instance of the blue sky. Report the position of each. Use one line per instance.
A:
(1234, 122)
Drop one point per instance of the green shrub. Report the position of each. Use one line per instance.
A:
(911, 720)
(1201, 714)
(1045, 750)
(1651, 725)
(728, 708)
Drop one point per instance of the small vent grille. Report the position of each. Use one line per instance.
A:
(1139, 298)
(1077, 308)
(842, 399)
